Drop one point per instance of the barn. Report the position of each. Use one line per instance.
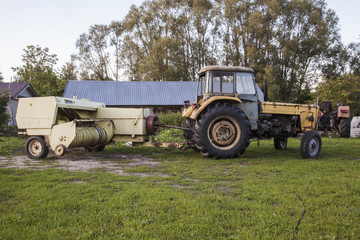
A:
(158, 96)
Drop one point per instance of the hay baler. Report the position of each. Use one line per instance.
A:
(61, 123)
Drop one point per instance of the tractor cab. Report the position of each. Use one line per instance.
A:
(226, 81)
(235, 85)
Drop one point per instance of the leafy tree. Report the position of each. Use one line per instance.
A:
(353, 51)
(95, 51)
(343, 89)
(283, 41)
(286, 42)
(38, 70)
(1, 77)
(4, 117)
(68, 71)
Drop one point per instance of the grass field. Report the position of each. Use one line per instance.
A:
(265, 194)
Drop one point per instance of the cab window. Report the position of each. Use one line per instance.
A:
(220, 82)
(245, 83)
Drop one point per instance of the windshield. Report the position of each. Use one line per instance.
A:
(245, 83)
(220, 82)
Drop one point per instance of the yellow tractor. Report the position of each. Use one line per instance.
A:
(230, 110)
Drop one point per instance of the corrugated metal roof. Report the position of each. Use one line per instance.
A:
(16, 88)
(133, 93)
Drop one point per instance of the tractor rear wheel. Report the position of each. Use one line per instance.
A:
(344, 127)
(222, 131)
(280, 143)
(310, 145)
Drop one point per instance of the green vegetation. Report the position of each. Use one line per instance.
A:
(265, 194)
(285, 42)
(12, 145)
(344, 89)
(4, 116)
(170, 134)
(38, 70)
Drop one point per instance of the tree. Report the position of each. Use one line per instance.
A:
(353, 51)
(38, 70)
(168, 40)
(343, 89)
(98, 52)
(286, 42)
(4, 117)
(283, 41)
(68, 71)
(1, 77)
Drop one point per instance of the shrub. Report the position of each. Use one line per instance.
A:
(171, 118)
(170, 134)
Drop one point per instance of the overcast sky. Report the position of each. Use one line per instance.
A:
(57, 24)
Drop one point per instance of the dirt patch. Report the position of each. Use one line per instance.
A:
(85, 162)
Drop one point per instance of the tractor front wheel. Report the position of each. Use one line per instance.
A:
(222, 131)
(280, 143)
(310, 145)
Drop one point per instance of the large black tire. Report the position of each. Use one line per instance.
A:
(189, 134)
(344, 127)
(222, 131)
(310, 145)
(280, 143)
(36, 148)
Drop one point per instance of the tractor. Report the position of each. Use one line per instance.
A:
(230, 111)
(338, 121)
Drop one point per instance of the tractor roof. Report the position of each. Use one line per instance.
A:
(225, 69)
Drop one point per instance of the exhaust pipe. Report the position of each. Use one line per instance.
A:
(266, 93)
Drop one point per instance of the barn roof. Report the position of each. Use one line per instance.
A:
(16, 88)
(114, 93)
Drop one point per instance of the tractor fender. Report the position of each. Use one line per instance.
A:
(193, 112)
(343, 112)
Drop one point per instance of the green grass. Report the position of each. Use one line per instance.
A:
(12, 146)
(265, 194)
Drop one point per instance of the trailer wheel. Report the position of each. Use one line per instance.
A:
(310, 145)
(36, 148)
(222, 131)
(344, 127)
(280, 143)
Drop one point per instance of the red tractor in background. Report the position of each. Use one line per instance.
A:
(338, 121)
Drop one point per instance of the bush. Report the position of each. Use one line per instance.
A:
(170, 134)
(171, 118)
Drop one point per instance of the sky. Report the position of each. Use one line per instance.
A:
(57, 24)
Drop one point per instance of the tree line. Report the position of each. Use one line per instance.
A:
(290, 43)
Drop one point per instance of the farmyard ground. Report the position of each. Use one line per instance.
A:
(144, 193)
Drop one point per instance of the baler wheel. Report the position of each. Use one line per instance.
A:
(36, 148)
(60, 150)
